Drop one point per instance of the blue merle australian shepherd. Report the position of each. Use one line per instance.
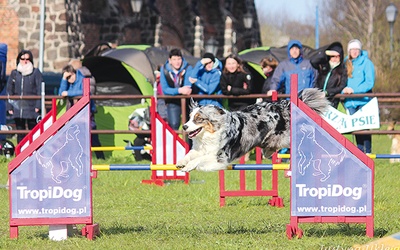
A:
(221, 137)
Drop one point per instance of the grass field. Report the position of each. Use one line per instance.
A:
(179, 216)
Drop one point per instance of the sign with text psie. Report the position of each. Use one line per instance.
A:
(365, 118)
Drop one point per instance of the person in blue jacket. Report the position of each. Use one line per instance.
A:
(294, 64)
(360, 79)
(174, 75)
(71, 85)
(205, 79)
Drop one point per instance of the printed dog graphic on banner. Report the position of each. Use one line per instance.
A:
(323, 162)
(68, 155)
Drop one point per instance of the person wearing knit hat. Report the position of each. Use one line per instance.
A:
(209, 56)
(354, 44)
(360, 79)
(205, 78)
(25, 80)
(332, 74)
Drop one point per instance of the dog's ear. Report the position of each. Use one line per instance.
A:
(193, 104)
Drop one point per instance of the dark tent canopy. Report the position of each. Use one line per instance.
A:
(127, 70)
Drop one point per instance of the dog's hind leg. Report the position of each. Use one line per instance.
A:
(317, 168)
(79, 164)
(61, 171)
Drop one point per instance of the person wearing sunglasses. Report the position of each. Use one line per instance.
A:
(332, 74)
(25, 80)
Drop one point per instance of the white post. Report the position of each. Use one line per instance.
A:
(41, 51)
(60, 232)
(157, 33)
(198, 38)
(228, 36)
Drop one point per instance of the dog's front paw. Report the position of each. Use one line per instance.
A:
(189, 167)
(181, 164)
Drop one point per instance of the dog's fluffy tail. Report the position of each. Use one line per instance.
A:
(315, 99)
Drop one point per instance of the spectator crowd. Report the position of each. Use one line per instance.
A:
(331, 71)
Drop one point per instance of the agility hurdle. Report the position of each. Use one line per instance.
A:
(332, 181)
(144, 167)
(259, 189)
(46, 187)
(167, 148)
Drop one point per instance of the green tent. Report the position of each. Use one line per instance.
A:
(125, 70)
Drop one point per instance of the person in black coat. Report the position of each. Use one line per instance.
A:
(26, 80)
(332, 74)
(236, 81)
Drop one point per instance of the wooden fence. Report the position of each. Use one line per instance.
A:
(385, 100)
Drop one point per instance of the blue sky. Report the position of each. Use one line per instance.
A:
(297, 9)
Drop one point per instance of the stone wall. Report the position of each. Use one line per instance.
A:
(73, 27)
(9, 31)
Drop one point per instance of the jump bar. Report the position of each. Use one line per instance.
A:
(121, 148)
(137, 167)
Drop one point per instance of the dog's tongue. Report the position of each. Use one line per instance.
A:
(194, 133)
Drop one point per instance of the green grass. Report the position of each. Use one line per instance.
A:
(178, 216)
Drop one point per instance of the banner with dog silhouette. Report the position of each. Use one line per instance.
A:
(55, 181)
(365, 118)
(328, 179)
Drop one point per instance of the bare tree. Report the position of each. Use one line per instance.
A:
(353, 18)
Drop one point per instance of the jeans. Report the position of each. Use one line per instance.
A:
(174, 112)
(364, 142)
(95, 138)
(162, 109)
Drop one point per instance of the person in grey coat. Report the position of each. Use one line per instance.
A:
(26, 80)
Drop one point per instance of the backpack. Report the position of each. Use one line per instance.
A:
(140, 119)
(86, 73)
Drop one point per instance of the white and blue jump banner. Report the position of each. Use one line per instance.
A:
(365, 118)
(51, 178)
(332, 180)
(55, 181)
(327, 179)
